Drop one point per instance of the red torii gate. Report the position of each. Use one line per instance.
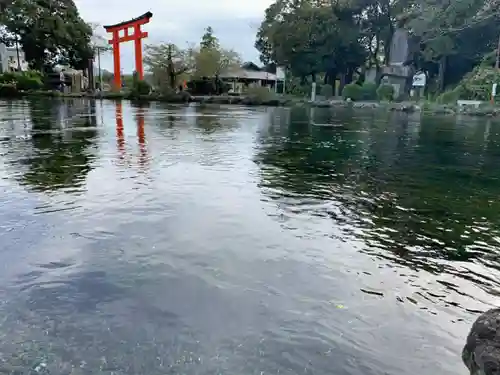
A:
(137, 37)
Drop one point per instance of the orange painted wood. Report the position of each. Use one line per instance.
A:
(138, 53)
(116, 62)
(137, 37)
(130, 38)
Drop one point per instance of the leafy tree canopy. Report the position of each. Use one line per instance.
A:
(338, 37)
(170, 64)
(49, 31)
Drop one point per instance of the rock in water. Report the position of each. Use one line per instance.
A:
(481, 353)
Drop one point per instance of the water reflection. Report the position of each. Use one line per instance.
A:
(63, 145)
(260, 240)
(141, 138)
(120, 138)
(139, 116)
(415, 193)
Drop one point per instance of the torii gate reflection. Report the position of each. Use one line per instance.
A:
(141, 134)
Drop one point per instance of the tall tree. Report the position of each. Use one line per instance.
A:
(310, 37)
(166, 62)
(339, 37)
(50, 32)
(208, 40)
(454, 36)
(210, 59)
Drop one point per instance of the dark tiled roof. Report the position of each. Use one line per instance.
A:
(145, 15)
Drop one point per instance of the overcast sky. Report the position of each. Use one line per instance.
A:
(235, 22)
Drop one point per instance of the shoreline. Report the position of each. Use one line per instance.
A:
(428, 108)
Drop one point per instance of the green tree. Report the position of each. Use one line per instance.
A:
(49, 31)
(311, 37)
(454, 36)
(333, 38)
(210, 60)
(208, 40)
(167, 63)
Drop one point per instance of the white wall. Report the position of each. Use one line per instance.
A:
(8, 59)
(3, 58)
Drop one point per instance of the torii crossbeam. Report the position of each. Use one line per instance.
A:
(137, 36)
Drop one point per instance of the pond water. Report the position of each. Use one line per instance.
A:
(228, 240)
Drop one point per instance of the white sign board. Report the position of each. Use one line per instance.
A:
(313, 92)
(419, 80)
(280, 73)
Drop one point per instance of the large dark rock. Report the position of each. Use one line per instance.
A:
(481, 353)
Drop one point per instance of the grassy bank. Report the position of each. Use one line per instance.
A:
(429, 108)
(182, 97)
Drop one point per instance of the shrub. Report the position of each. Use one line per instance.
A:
(48, 93)
(385, 92)
(352, 91)
(459, 92)
(112, 95)
(369, 91)
(327, 91)
(294, 86)
(114, 88)
(31, 80)
(34, 74)
(259, 94)
(448, 97)
(140, 88)
(184, 96)
(8, 77)
(201, 86)
(8, 90)
(167, 93)
(475, 85)
(26, 82)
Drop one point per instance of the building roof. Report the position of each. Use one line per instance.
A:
(249, 74)
(250, 66)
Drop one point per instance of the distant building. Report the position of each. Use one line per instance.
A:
(8, 59)
(247, 75)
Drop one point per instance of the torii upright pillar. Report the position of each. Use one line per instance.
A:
(136, 36)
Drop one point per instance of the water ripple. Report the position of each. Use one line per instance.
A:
(211, 239)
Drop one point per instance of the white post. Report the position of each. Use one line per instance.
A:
(313, 92)
(99, 64)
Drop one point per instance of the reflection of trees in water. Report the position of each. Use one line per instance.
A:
(409, 199)
(63, 135)
(207, 120)
(212, 120)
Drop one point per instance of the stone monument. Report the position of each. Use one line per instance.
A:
(399, 48)
(396, 73)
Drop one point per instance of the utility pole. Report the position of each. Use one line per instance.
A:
(17, 51)
(497, 67)
(497, 63)
(18, 59)
(99, 65)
